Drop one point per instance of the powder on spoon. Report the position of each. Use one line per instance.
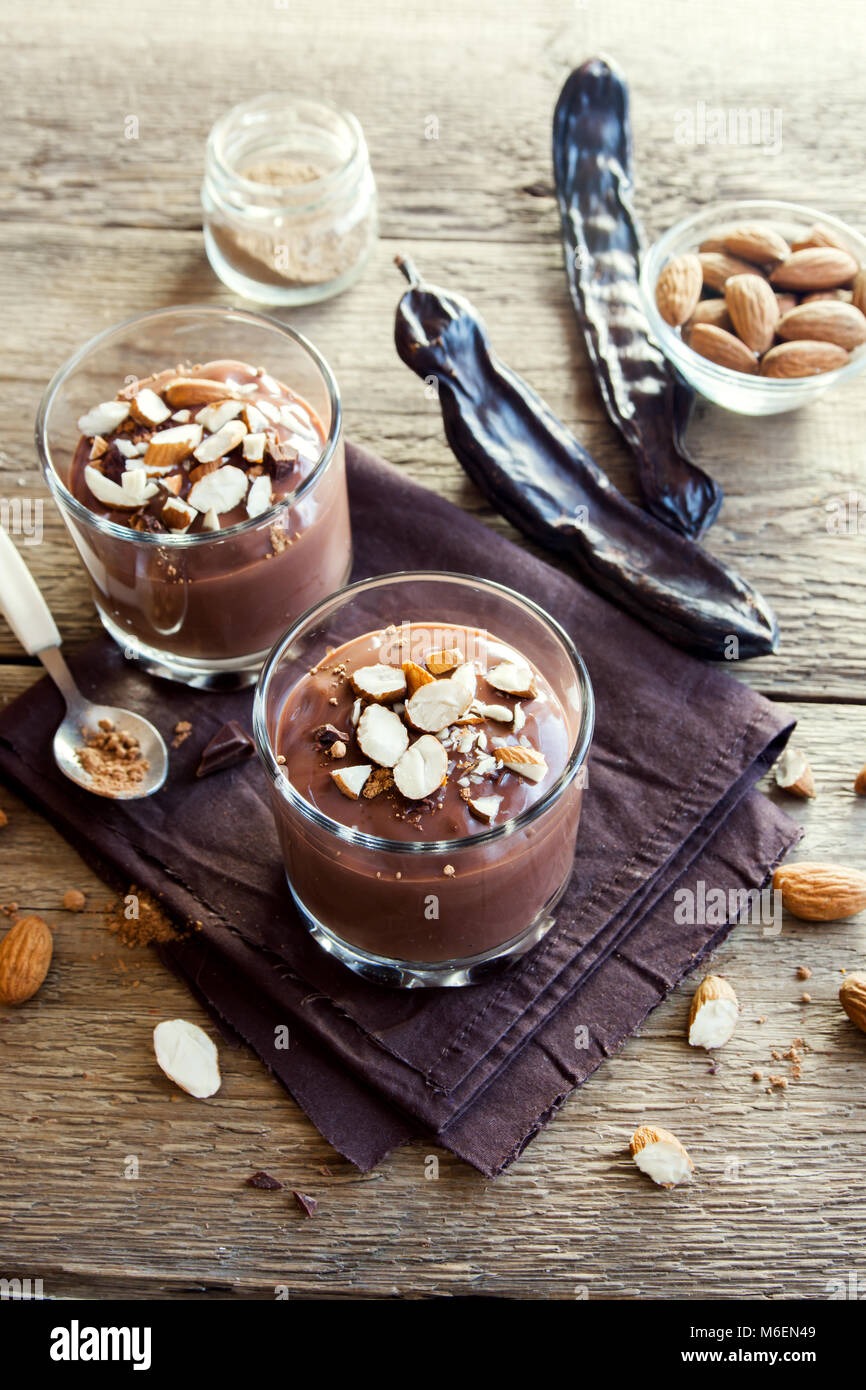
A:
(112, 759)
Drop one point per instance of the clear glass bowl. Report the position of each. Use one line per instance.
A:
(747, 395)
(363, 896)
(205, 608)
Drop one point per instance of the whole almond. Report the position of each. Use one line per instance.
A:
(786, 301)
(714, 311)
(858, 291)
(804, 357)
(860, 781)
(815, 268)
(757, 242)
(819, 235)
(845, 296)
(722, 348)
(852, 997)
(825, 321)
(713, 243)
(753, 309)
(718, 267)
(821, 892)
(678, 289)
(25, 955)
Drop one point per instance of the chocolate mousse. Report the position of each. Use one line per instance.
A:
(202, 452)
(433, 736)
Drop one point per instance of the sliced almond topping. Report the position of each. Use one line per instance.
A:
(500, 714)
(217, 445)
(172, 484)
(259, 496)
(98, 448)
(170, 447)
(485, 808)
(380, 683)
(182, 416)
(660, 1155)
(527, 761)
(382, 735)
(134, 483)
(213, 417)
(254, 419)
(440, 703)
(519, 718)
(104, 418)
(793, 773)
(351, 780)
(484, 766)
(443, 661)
(211, 521)
(222, 490)
(187, 1056)
(416, 676)
(713, 1014)
(513, 678)
(422, 768)
(113, 494)
(149, 408)
(254, 447)
(202, 470)
(196, 390)
(178, 515)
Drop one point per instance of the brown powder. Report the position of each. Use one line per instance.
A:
(139, 920)
(182, 729)
(112, 758)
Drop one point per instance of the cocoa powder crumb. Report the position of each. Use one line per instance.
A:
(806, 998)
(112, 759)
(803, 972)
(757, 1075)
(182, 731)
(779, 1082)
(74, 900)
(4, 819)
(139, 920)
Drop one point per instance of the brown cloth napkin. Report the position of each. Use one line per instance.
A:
(670, 803)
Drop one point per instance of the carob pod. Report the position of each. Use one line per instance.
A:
(538, 476)
(645, 398)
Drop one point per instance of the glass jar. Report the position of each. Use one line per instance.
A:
(366, 899)
(203, 608)
(290, 208)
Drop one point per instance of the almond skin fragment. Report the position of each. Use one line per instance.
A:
(815, 268)
(852, 997)
(660, 1155)
(821, 892)
(722, 348)
(678, 289)
(794, 775)
(802, 358)
(754, 310)
(416, 676)
(713, 1014)
(25, 955)
(440, 662)
(825, 321)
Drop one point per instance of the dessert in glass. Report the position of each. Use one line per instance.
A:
(196, 456)
(426, 736)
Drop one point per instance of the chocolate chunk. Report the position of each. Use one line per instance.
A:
(228, 746)
(305, 1202)
(327, 735)
(281, 459)
(264, 1181)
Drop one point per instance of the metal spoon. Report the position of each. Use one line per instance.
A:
(28, 615)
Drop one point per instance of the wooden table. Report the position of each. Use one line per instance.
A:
(99, 226)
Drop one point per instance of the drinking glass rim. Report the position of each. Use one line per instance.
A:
(84, 514)
(296, 195)
(377, 842)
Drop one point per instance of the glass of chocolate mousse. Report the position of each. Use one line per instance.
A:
(426, 738)
(196, 456)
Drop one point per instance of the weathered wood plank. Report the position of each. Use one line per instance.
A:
(772, 1213)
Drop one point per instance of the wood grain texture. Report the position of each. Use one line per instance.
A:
(97, 227)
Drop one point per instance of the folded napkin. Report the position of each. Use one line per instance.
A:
(670, 803)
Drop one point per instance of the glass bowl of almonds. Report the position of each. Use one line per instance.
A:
(760, 305)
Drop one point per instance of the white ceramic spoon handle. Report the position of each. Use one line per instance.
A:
(24, 608)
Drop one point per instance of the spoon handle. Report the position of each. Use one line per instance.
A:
(24, 608)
